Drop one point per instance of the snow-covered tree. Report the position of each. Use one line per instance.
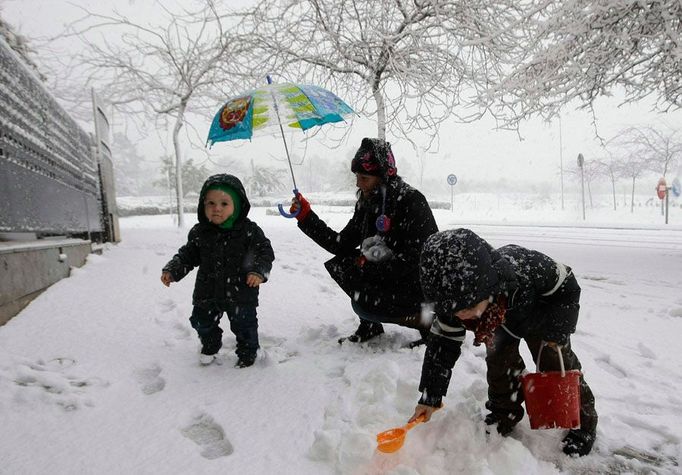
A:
(265, 180)
(584, 49)
(661, 149)
(160, 70)
(412, 64)
(629, 161)
(193, 176)
(609, 168)
(127, 164)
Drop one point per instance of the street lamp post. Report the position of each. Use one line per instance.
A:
(581, 163)
(561, 164)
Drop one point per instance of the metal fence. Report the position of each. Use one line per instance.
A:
(49, 181)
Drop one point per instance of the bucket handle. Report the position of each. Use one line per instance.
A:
(561, 358)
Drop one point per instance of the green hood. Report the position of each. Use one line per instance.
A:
(230, 182)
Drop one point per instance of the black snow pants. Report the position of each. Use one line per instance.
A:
(243, 324)
(505, 365)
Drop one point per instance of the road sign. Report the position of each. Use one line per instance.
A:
(581, 160)
(661, 188)
(676, 189)
(452, 180)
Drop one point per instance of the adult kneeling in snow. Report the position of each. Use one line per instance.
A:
(377, 252)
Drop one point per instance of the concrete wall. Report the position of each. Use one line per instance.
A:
(28, 268)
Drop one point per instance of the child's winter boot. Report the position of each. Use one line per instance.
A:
(209, 349)
(505, 422)
(578, 442)
(245, 361)
(366, 331)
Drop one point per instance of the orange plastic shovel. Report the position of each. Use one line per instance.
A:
(391, 440)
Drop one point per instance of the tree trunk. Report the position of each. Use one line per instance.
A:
(632, 204)
(381, 112)
(178, 162)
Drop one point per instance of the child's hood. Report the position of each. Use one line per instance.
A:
(225, 180)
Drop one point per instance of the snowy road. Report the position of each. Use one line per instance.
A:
(100, 373)
(660, 239)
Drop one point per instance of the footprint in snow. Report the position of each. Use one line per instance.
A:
(55, 382)
(287, 267)
(646, 352)
(274, 350)
(275, 355)
(209, 436)
(604, 361)
(676, 312)
(149, 379)
(326, 289)
(179, 327)
(167, 305)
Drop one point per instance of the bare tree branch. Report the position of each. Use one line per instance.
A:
(412, 64)
(584, 49)
(167, 69)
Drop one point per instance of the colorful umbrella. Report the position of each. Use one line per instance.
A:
(276, 107)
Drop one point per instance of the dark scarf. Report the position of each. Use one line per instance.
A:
(380, 199)
(484, 327)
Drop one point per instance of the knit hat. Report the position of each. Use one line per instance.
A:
(374, 157)
(456, 270)
(229, 222)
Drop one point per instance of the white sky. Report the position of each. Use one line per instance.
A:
(474, 151)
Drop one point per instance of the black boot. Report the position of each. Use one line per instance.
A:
(209, 348)
(245, 361)
(366, 331)
(505, 423)
(578, 442)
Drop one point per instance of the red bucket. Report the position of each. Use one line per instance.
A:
(552, 397)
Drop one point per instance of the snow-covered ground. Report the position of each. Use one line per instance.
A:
(100, 374)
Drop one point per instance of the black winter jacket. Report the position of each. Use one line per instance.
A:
(390, 288)
(543, 303)
(224, 256)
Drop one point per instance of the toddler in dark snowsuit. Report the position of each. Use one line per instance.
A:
(234, 257)
(503, 295)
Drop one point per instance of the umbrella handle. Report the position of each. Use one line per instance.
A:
(289, 215)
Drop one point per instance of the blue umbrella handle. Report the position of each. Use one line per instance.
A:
(289, 215)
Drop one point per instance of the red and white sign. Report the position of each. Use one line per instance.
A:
(661, 188)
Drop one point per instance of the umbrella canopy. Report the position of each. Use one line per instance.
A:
(290, 106)
(273, 108)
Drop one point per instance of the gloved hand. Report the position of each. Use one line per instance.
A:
(302, 203)
(375, 249)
